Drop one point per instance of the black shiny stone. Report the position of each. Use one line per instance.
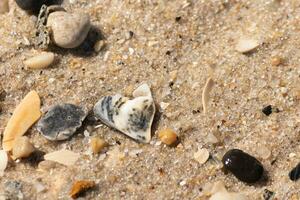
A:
(295, 173)
(243, 166)
(35, 5)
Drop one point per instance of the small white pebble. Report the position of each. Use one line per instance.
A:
(246, 45)
(182, 183)
(40, 61)
(292, 155)
(131, 51)
(201, 155)
(164, 105)
(51, 80)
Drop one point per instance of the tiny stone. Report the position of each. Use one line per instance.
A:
(81, 186)
(61, 121)
(46, 165)
(276, 60)
(267, 194)
(291, 155)
(43, 60)
(243, 166)
(98, 144)
(22, 148)
(129, 35)
(68, 30)
(201, 155)
(99, 45)
(4, 6)
(295, 173)
(168, 136)
(263, 152)
(246, 45)
(267, 110)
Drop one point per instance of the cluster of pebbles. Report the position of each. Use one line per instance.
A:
(132, 117)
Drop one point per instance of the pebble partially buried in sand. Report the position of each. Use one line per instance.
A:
(132, 117)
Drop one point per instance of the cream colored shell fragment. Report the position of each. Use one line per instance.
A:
(64, 157)
(24, 116)
(3, 161)
(205, 94)
(245, 45)
(40, 61)
(201, 155)
(219, 192)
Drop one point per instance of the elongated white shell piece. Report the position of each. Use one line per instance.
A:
(132, 117)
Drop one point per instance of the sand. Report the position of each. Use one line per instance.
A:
(175, 46)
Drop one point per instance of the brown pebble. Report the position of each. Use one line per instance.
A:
(167, 136)
(98, 144)
(276, 60)
(80, 186)
(22, 147)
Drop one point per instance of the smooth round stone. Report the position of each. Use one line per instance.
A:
(61, 121)
(295, 173)
(243, 166)
(68, 30)
(31, 5)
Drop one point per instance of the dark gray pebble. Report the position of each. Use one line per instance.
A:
(243, 166)
(295, 173)
(61, 121)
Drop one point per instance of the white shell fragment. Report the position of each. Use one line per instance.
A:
(40, 61)
(3, 161)
(61, 121)
(201, 155)
(219, 192)
(132, 117)
(64, 157)
(246, 45)
(205, 94)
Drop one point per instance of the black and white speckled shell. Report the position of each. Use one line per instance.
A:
(132, 117)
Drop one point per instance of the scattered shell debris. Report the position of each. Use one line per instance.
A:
(219, 192)
(205, 94)
(168, 136)
(61, 121)
(41, 61)
(201, 155)
(3, 161)
(81, 186)
(24, 116)
(132, 117)
(98, 144)
(245, 45)
(22, 148)
(64, 157)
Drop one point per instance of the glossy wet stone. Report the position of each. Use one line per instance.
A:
(295, 173)
(267, 110)
(61, 121)
(31, 5)
(243, 166)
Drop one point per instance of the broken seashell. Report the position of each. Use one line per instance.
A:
(81, 186)
(24, 116)
(3, 161)
(201, 155)
(219, 192)
(132, 117)
(205, 94)
(246, 45)
(64, 157)
(40, 61)
(61, 121)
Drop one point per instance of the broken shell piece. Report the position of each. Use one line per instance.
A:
(3, 161)
(132, 117)
(246, 45)
(81, 186)
(205, 94)
(61, 121)
(219, 192)
(22, 148)
(64, 157)
(40, 61)
(201, 155)
(24, 116)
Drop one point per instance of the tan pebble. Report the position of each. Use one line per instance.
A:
(246, 45)
(276, 60)
(41, 61)
(22, 148)
(99, 45)
(80, 186)
(263, 152)
(4, 6)
(167, 136)
(64, 157)
(201, 155)
(46, 165)
(98, 144)
(68, 30)
(24, 116)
